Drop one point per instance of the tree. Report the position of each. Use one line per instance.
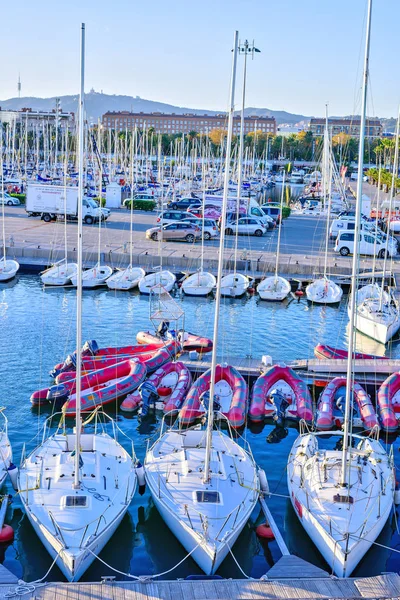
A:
(217, 135)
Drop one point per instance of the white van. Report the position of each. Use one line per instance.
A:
(369, 243)
(348, 224)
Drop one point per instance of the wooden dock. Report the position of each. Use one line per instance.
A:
(324, 588)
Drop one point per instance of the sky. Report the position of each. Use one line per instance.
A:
(178, 51)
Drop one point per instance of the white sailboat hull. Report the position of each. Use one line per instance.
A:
(324, 291)
(73, 562)
(234, 285)
(59, 274)
(207, 528)
(342, 521)
(125, 280)
(274, 289)
(157, 282)
(8, 269)
(199, 284)
(342, 565)
(95, 277)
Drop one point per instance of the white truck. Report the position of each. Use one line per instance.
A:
(52, 201)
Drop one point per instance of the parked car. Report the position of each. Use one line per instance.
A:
(210, 226)
(170, 216)
(127, 202)
(187, 232)
(370, 244)
(246, 226)
(184, 203)
(9, 200)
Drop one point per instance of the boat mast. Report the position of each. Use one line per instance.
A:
(76, 484)
(394, 175)
(133, 152)
(354, 272)
(279, 231)
(220, 262)
(326, 185)
(3, 203)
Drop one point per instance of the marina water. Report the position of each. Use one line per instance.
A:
(38, 330)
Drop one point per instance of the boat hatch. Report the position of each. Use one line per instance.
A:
(76, 501)
(209, 497)
(343, 498)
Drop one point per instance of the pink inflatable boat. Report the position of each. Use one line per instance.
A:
(90, 352)
(114, 389)
(388, 402)
(154, 358)
(172, 381)
(230, 392)
(284, 381)
(330, 414)
(189, 341)
(323, 351)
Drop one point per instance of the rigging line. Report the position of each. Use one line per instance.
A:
(144, 577)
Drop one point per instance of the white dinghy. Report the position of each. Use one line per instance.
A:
(8, 268)
(275, 288)
(324, 291)
(76, 487)
(126, 279)
(201, 283)
(164, 280)
(61, 273)
(234, 285)
(93, 277)
(202, 482)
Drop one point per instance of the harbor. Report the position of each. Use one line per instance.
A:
(200, 315)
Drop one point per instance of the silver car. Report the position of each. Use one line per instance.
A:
(175, 231)
(9, 200)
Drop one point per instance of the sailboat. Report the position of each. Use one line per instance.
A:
(97, 275)
(76, 487)
(129, 278)
(203, 483)
(343, 497)
(8, 266)
(378, 310)
(324, 290)
(275, 288)
(236, 284)
(202, 282)
(62, 271)
(161, 280)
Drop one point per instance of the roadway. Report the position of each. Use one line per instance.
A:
(301, 235)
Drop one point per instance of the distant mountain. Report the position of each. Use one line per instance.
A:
(98, 103)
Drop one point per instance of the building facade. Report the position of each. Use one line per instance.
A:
(33, 119)
(373, 127)
(173, 123)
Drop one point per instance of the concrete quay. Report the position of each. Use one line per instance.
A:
(183, 258)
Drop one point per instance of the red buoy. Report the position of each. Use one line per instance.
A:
(6, 534)
(251, 290)
(265, 532)
(299, 293)
(164, 391)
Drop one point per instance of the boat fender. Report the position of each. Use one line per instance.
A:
(193, 355)
(251, 290)
(141, 478)
(397, 494)
(263, 481)
(13, 473)
(6, 534)
(264, 531)
(299, 293)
